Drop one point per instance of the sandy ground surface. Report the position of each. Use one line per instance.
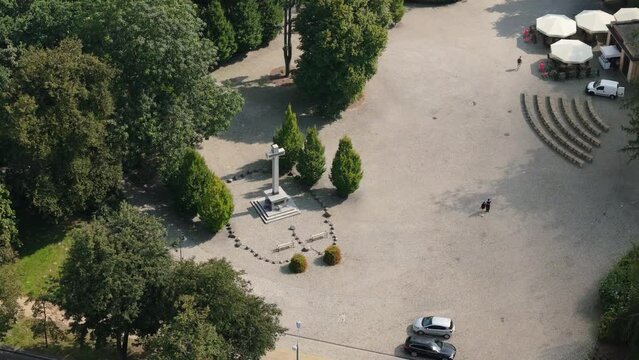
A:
(439, 130)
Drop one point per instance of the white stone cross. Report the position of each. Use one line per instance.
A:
(274, 155)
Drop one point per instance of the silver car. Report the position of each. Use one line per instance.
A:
(434, 325)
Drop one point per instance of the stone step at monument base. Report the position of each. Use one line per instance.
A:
(269, 216)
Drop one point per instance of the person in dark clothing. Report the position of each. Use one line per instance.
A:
(518, 62)
(488, 205)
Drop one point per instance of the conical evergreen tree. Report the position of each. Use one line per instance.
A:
(216, 206)
(346, 171)
(245, 17)
(397, 10)
(219, 30)
(311, 164)
(190, 183)
(272, 19)
(291, 139)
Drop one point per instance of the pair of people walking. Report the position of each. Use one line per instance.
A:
(486, 205)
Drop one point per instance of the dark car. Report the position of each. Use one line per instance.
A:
(429, 347)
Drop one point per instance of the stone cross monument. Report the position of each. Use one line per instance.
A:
(274, 155)
(276, 204)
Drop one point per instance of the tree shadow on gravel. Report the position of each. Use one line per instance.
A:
(264, 109)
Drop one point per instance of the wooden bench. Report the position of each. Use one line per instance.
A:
(318, 236)
(280, 247)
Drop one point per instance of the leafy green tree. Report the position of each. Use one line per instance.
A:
(9, 293)
(272, 17)
(114, 276)
(248, 324)
(340, 42)
(247, 22)
(311, 163)
(191, 182)
(188, 336)
(397, 10)
(216, 205)
(8, 230)
(219, 30)
(63, 158)
(291, 139)
(346, 170)
(165, 102)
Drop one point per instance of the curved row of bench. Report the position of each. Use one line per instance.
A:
(590, 108)
(582, 119)
(545, 138)
(555, 135)
(554, 111)
(573, 124)
(572, 133)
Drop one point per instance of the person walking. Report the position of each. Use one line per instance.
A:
(488, 205)
(518, 63)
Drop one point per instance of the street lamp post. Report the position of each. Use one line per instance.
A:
(298, 324)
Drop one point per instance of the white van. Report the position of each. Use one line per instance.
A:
(603, 87)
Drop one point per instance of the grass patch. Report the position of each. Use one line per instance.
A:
(41, 256)
(21, 337)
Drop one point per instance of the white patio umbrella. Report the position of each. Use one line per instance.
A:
(594, 21)
(571, 51)
(627, 14)
(559, 26)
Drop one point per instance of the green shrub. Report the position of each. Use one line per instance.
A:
(311, 163)
(346, 171)
(616, 287)
(190, 183)
(618, 294)
(8, 229)
(272, 19)
(397, 10)
(332, 255)
(298, 264)
(219, 30)
(245, 17)
(291, 139)
(216, 206)
(435, 2)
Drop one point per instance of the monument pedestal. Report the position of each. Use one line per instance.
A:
(273, 207)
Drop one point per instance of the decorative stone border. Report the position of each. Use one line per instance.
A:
(238, 243)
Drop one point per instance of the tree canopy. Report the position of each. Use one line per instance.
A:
(56, 114)
(164, 99)
(112, 279)
(340, 42)
(188, 336)
(249, 325)
(8, 229)
(9, 293)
